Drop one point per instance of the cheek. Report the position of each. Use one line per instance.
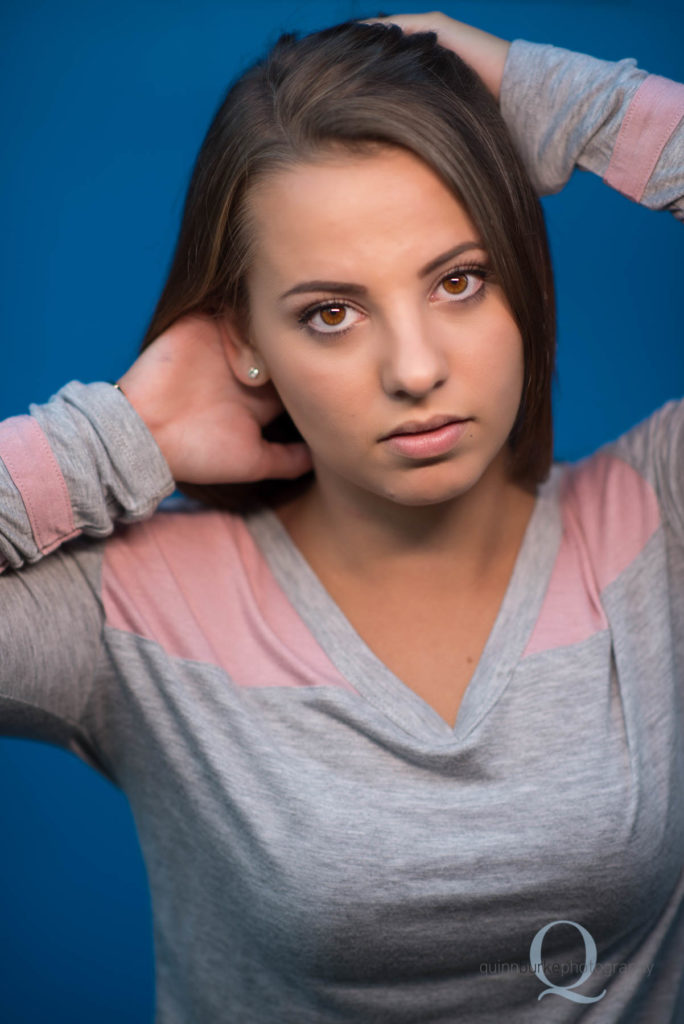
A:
(315, 398)
(516, 361)
(508, 345)
(317, 383)
(497, 358)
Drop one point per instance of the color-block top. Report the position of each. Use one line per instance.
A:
(321, 846)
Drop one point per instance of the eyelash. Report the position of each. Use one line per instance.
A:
(472, 270)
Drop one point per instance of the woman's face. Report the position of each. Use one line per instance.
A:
(373, 312)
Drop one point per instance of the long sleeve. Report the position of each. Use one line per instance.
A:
(655, 449)
(75, 466)
(567, 109)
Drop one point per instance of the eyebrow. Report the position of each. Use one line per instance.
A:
(359, 289)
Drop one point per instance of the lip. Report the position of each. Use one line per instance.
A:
(418, 427)
(426, 444)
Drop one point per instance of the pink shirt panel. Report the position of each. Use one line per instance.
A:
(198, 586)
(656, 109)
(35, 472)
(609, 513)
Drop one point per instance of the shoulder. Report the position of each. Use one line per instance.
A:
(174, 560)
(613, 501)
(608, 513)
(633, 483)
(179, 530)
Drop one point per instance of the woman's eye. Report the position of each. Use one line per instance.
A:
(336, 317)
(332, 318)
(462, 284)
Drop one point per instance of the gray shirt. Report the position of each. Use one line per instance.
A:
(320, 845)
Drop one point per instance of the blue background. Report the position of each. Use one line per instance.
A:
(105, 106)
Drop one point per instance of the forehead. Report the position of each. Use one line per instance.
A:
(349, 207)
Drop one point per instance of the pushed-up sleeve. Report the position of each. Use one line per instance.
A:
(567, 110)
(77, 464)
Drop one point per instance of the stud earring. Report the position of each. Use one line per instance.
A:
(253, 372)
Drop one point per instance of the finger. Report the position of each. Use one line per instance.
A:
(286, 461)
(408, 23)
(379, 17)
(388, 20)
(402, 20)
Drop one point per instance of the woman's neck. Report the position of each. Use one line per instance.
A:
(464, 538)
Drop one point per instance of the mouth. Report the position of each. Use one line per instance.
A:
(430, 439)
(424, 426)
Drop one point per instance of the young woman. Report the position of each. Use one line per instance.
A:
(399, 718)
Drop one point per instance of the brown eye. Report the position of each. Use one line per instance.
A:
(331, 319)
(456, 284)
(464, 284)
(332, 316)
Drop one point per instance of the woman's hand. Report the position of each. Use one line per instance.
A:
(485, 53)
(206, 423)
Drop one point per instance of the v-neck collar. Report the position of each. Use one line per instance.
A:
(358, 664)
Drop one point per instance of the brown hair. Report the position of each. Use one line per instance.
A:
(359, 85)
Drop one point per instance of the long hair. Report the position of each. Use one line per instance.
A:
(358, 86)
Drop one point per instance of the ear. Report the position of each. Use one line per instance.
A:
(242, 356)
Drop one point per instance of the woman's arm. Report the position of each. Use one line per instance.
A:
(95, 454)
(90, 458)
(75, 465)
(567, 110)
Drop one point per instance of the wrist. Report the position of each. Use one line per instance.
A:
(144, 409)
(495, 71)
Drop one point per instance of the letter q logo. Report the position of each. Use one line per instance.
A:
(589, 965)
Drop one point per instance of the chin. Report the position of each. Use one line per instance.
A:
(446, 481)
(422, 501)
(431, 494)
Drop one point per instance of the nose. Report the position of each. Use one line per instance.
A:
(412, 362)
